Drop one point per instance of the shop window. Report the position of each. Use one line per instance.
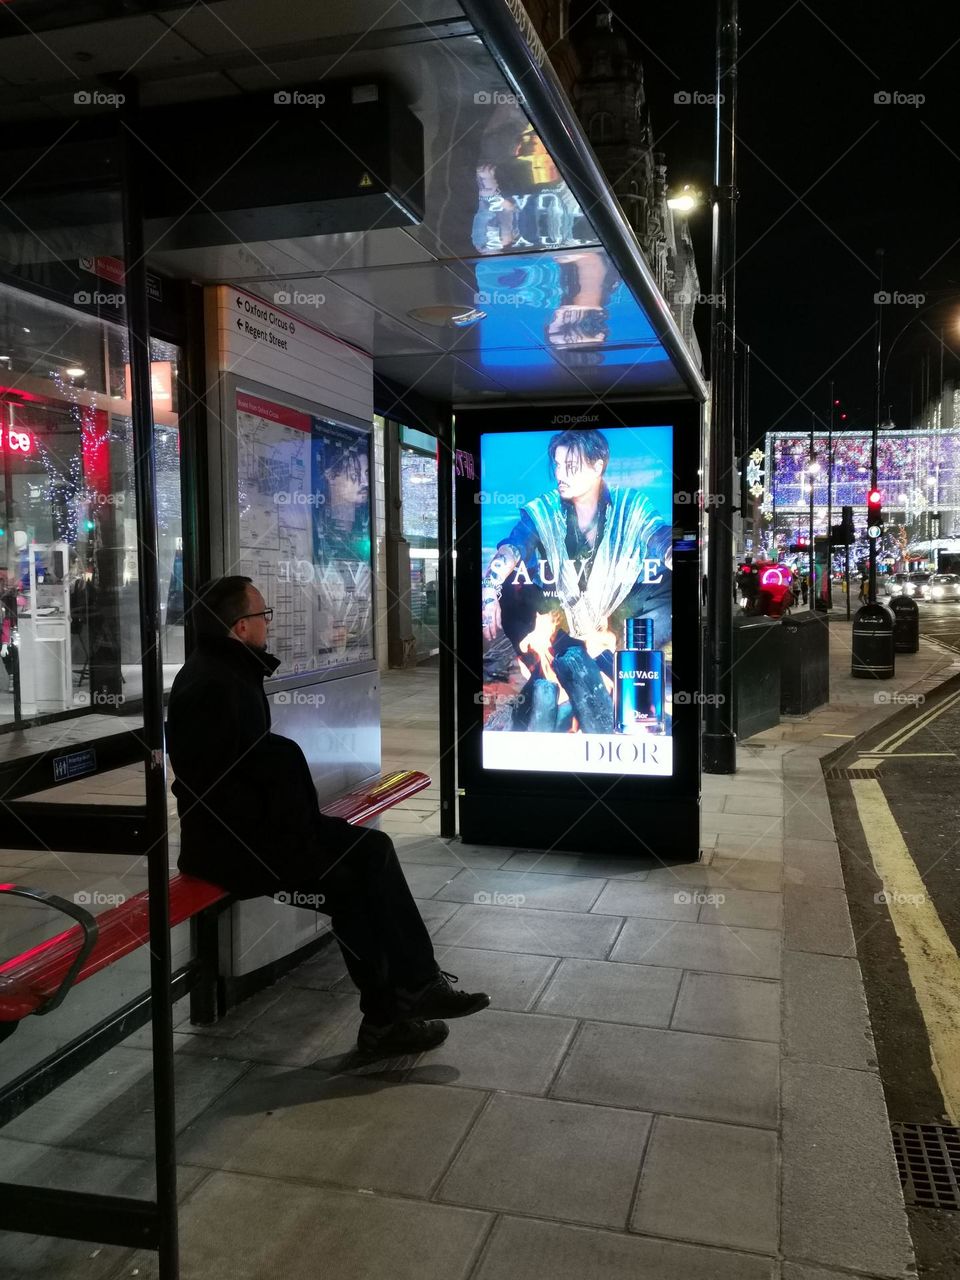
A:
(419, 488)
(70, 637)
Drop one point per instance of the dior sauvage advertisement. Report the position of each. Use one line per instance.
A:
(576, 600)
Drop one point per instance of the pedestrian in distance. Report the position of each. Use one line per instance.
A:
(251, 823)
(804, 587)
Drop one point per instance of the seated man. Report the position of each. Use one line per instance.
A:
(250, 821)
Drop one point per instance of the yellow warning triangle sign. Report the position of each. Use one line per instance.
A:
(366, 181)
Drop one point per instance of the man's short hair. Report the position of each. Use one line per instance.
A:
(218, 604)
(589, 444)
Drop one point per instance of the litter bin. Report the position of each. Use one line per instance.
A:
(872, 648)
(756, 675)
(804, 663)
(906, 624)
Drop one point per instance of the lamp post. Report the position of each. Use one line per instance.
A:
(813, 470)
(719, 743)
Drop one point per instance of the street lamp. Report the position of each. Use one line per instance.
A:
(685, 200)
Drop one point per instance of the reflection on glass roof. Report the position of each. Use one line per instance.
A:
(571, 307)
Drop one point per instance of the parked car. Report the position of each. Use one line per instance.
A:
(944, 586)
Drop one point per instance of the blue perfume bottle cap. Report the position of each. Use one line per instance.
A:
(639, 633)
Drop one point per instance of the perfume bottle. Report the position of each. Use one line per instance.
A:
(639, 683)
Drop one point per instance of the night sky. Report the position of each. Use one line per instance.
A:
(827, 176)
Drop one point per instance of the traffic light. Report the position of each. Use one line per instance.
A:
(874, 513)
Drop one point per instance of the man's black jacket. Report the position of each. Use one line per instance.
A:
(248, 809)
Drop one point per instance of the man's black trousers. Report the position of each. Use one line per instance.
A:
(375, 919)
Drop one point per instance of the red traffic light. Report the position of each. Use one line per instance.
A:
(874, 498)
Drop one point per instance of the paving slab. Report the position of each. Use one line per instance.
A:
(551, 933)
(676, 1072)
(528, 1249)
(751, 908)
(512, 980)
(720, 1004)
(817, 919)
(29, 1257)
(109, 1105)
(527, 1155)
(499, 1050)
(578, 864)
(812, 862)
(711, 948)
(425, 879)
(723, 870)
(308, 1126)
(725, 1176)
(529, 888)
(825, 1017)
(602, 991)
(842, 1204)
(659, 901)
(298, 1028)
(237, 1227)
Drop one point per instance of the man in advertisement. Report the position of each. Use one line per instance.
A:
(582, 580)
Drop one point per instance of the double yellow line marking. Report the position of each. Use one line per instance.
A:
(932, 961)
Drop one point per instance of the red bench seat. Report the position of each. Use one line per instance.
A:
(29, 980)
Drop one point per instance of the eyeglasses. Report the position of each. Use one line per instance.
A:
(265, 614)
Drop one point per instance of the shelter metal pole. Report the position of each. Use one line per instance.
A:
(719, 741)
(151, 665)
(448, 641)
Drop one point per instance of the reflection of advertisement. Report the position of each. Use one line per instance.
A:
(341, 529)
(305, 532)
(572, 303)
(576, 600)
(523, 203)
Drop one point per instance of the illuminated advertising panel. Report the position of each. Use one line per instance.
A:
(576, 600)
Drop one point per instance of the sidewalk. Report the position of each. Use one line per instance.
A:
(675, 1081)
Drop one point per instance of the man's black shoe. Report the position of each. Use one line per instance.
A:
(411, 1035)
(438, 999)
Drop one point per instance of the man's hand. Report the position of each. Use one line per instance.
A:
(490, 615)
